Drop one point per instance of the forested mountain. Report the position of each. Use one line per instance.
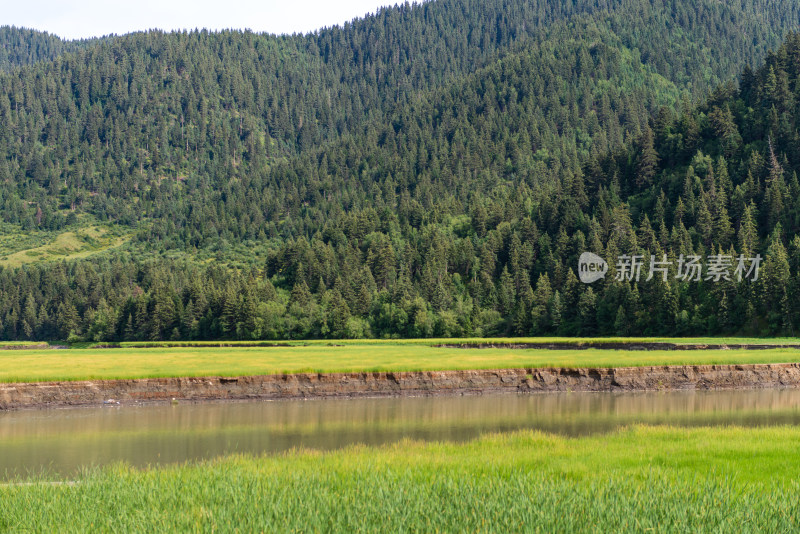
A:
(435, 169)
(21, 46)
(103, 127)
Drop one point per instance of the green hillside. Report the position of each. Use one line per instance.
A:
(22, 46)
(434, 169)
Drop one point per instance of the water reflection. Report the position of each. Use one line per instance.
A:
(63, 440)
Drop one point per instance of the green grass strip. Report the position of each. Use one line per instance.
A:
(658, 479)
(127, 363)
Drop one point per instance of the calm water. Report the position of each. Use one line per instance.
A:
(64, 440)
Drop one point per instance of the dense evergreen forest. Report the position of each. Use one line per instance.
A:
(20, 46)
(433, 170)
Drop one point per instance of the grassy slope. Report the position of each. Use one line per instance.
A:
(637, 479)
(18, 249)
(78, 364)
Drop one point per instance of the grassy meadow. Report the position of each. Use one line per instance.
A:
(637, 479)
(20, 248)
(712, 479)
(131, 361)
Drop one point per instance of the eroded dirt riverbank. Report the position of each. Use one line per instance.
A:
(378, 384)
(626, 345)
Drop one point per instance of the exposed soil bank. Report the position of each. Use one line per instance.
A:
(33, 346)
(375, 384)
(618, 346)
(191, 345)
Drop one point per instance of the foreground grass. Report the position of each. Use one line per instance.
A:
(638, 479)
(139, 362)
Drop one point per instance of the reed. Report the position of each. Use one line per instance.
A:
(661, 479)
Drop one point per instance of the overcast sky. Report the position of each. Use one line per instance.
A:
(73, 19)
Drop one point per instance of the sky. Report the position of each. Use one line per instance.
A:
(75, 19)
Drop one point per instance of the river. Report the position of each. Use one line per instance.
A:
(62, 441)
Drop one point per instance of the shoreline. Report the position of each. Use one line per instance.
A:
(392, 384)
(656, 345)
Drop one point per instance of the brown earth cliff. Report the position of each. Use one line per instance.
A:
(378, 384)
